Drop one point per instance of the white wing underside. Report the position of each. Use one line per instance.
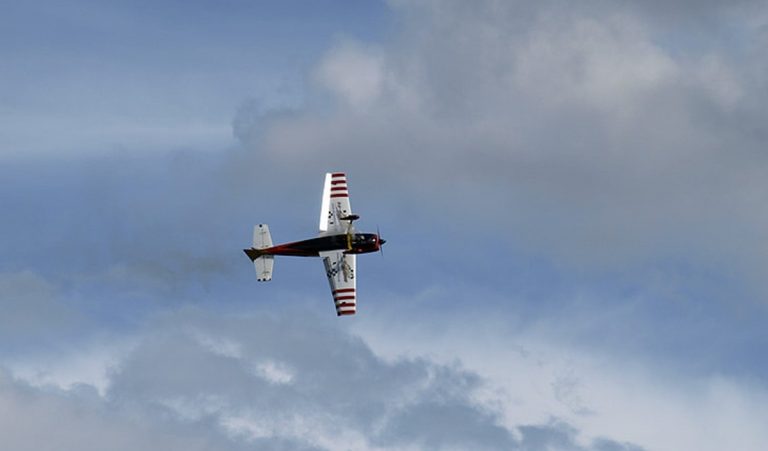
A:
(339, 267)
(335, 205)
(340, 270)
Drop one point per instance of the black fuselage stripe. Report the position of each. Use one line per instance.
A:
(312, 247)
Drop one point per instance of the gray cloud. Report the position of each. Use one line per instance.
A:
(595, 135)
(198, 380)
(50, 419)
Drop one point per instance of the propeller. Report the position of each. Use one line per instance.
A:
(381, 241)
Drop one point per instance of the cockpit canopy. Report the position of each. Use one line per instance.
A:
(365, 238)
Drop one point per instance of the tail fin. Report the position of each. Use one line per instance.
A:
(262, 260)
(261, 237)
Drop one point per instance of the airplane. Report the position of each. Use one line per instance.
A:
(337, 244)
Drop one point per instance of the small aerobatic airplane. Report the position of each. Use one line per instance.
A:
(337, 244)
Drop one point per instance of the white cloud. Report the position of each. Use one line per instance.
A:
(89, 365)
(354, 74)
(275, 372)
(603, 62)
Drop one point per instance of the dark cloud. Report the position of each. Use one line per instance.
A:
(560, 436)
(460, 426)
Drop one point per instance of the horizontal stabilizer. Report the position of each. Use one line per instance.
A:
(263, 261)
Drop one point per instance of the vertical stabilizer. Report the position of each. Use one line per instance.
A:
(261, 237)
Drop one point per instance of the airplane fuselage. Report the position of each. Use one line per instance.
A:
(358, 243)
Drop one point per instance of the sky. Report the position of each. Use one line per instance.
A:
(573, 197)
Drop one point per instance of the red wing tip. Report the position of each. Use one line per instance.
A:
(338, 174)
(345, 312)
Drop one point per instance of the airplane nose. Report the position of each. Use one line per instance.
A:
(382, 241)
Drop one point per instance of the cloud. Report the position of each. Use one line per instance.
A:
(592, 135)
(79, 419)
(534, 378)
(353, 74)
(196, 380)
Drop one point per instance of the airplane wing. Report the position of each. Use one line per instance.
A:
(340, 270)
(335, 204)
